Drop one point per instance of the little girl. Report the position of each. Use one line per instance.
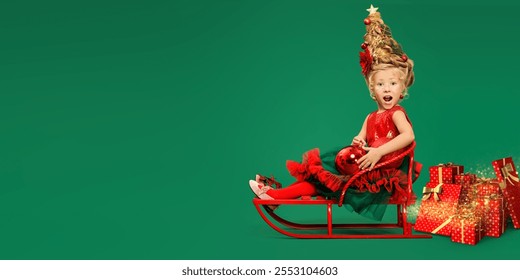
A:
(384, 134)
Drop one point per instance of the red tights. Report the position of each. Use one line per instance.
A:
(295, 190)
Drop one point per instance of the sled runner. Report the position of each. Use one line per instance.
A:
(400, 229)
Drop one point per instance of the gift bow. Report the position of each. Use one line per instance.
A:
(427, 192)
(509, 173)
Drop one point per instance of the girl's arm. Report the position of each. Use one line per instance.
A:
(360, 139)
(405, 138)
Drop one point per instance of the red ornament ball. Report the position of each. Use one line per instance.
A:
(364, 45)
(404, 57)
(346, 159)
(367, 21)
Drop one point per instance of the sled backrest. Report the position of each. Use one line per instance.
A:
(409, 154)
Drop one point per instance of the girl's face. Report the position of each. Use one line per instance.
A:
(387, 88)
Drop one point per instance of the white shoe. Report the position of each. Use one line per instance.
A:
(260, 191)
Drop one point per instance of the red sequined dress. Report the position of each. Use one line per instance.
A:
(381, 129)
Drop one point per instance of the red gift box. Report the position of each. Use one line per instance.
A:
(445, 173)
(466, 230)
(467, 225)
(491, 187)
(438, 207)
(487, 187)
(494, 219)
(465, 178)
(510, 186)
(436, 217)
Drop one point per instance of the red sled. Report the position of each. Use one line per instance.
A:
(402, 228)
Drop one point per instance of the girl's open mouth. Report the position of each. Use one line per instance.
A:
(387, 98)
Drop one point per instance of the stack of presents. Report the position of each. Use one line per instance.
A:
(468, 208)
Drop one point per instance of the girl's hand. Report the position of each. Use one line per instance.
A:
(358, 141)
(370, 159)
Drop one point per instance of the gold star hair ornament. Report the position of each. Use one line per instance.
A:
(372, 9)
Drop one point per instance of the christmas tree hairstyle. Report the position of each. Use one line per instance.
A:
(381, 50)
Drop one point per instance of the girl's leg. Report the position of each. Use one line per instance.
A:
(295, 190)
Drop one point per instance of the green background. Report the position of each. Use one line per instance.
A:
(130, 129)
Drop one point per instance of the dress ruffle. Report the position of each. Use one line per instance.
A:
(311, 169)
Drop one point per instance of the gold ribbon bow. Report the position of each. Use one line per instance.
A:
(509, 174)
(427, 192)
